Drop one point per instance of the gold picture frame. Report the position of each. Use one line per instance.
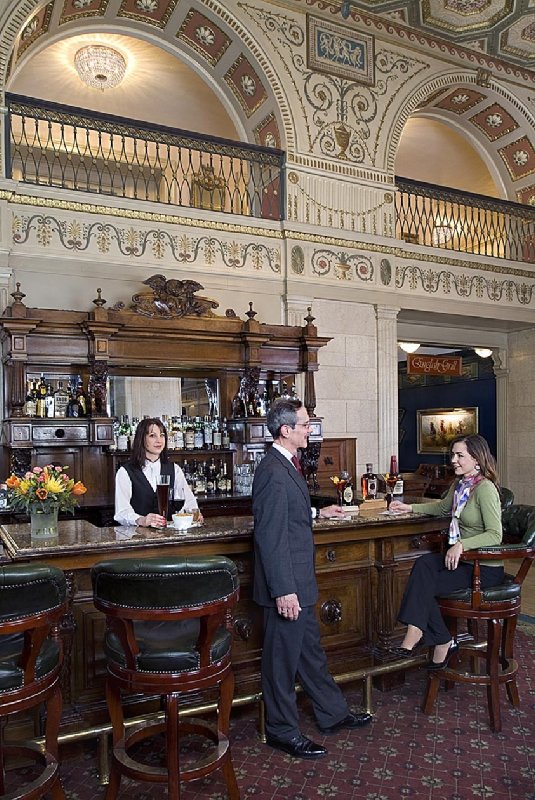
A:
(437, 427)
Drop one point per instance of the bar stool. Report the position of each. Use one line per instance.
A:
(32, 602)
(169, 634)
(498, 607)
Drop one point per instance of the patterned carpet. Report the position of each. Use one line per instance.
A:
(451, 755)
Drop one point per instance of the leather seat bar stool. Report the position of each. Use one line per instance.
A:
(168, 633)
(32, 603)
(498, 608)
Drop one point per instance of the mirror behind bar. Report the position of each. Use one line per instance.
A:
(137, 397)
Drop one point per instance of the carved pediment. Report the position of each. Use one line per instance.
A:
(170, 299)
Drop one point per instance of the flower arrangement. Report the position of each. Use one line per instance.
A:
(44, 489)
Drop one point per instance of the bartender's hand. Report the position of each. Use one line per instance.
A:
(331, 511)
(399, 507)
(152, 521)
(288, 606)
(197, 516)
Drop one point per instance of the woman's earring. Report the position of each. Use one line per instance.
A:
(478, 468)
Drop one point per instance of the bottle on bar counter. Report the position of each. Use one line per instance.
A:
(30, 406)
(397, 492)
(346, 494)
(49, 402)
(368, 483)
(61, 400)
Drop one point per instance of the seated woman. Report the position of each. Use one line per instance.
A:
(135, 482)
(474, 503)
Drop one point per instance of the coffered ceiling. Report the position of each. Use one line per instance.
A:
(501, 28)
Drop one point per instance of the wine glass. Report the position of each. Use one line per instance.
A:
(390, 481)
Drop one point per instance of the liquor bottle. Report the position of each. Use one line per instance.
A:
(189, 435)
(345, 496)
(211, 478)
(187, 472)
(223, 483)
(41, 394)
(81, 397)
(61, 400)
(238, 406)
(208, 433)
(397, 486)
(225, 435)
(124, 433)
(198, 434)
(73, 406)
(30, 406)
(217, 439)
(179, 435)
(368, 483)
(49, 401)
(199, 479)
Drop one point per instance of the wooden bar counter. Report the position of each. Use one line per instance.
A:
(362, 565)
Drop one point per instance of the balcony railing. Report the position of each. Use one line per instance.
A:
(435, 216)
(55, 145)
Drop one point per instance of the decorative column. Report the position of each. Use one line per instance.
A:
(387, 384)
(501, 372)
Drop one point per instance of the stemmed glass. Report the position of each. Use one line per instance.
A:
(390, 481)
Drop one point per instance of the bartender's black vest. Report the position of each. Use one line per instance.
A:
(144, 499)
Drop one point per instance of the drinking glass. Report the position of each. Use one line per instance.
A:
(162, 493)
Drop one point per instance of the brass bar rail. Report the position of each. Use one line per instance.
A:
(51, 144)
(435, 216)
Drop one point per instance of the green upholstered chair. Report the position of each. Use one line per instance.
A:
(507, 497)
(32, 602)
(168, 633)
(498, 607)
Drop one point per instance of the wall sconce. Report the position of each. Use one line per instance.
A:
(483, 352)
(408, 347)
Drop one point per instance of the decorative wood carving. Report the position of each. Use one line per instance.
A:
(98, 395)
(170, 299)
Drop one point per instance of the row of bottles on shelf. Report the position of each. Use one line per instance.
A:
(183, 433)
(208, 477)
(369, 482)
(45, 401)
(257, 403)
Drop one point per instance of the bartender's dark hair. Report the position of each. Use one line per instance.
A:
(138, 446)
(479, 449)
(282, 412)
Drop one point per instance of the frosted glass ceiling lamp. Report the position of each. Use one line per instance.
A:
(409, 347)
(99, 66)
(483, 352)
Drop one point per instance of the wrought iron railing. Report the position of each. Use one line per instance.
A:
(55, 145)
(435, 216)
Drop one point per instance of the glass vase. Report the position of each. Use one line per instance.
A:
(44, 525)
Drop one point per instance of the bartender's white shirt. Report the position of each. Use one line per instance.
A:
(125, 514)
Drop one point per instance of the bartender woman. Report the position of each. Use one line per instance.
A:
(135, 482)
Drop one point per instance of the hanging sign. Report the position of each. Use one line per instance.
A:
(434, 365)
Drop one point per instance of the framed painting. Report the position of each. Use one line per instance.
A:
(336, 50)
(437, 427)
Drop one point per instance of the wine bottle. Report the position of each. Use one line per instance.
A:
(30, 406)
(346, 493)
(61, 400)
(397, 491)
(49, 402)
(368, 483)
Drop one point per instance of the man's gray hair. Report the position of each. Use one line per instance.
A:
(282, 412)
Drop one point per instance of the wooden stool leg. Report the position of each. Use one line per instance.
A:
(508, 638)
(53, 717)
(115, 710)
(226, 693)
(493, 669)
(230, 779)
(433, 685)
(115, 780)
(172, 746)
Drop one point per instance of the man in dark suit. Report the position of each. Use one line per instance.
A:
(285, 585)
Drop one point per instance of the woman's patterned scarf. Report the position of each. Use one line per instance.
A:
(460, 499)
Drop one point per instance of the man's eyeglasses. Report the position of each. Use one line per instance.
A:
(302, 425)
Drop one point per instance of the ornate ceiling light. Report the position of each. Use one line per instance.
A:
(99, 66)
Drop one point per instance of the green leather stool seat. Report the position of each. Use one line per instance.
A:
(168, 633)
(32, 603)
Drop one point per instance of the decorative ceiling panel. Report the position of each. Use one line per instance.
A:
(75, 9)
(527, 195)
(519, 158)
(494, 121)
(498, 28)
(204, 36)
(246, 85)
(267, 132)
(461, 100)
(35, 27)
(155, 12)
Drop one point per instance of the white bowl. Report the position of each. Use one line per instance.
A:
(182, 521)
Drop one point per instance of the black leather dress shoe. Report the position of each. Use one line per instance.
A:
(352, 720)
(298, 747)
(406, 652)
(433, 666)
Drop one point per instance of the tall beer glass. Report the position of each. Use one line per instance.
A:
(162, 493)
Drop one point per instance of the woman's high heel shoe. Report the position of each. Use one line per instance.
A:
(405, 652)
(436, 665)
